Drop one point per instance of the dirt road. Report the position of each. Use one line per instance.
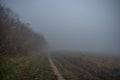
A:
(57, 73)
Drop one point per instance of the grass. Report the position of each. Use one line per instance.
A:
(11, 68)
(26, 68)
(46, 71)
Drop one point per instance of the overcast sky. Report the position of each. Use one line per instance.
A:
(85, 25)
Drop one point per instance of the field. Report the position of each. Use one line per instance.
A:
(72, 66)
(76, 66)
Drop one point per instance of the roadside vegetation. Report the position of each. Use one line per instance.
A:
(34, 67)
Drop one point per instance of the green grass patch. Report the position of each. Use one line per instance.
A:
(26, 68)
(11, 68)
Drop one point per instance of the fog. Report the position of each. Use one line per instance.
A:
(82, 25)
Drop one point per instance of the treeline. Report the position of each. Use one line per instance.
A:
(16, 37)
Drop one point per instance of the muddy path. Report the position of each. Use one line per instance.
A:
(56, 72)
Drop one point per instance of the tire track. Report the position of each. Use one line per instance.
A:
(56, 72)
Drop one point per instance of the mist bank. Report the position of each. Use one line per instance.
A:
(85, 25)
(85, 53)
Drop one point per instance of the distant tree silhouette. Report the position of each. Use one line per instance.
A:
(15, 36)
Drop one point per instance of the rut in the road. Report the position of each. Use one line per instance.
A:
(57, 73)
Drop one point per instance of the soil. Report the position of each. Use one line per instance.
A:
(56, 72)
